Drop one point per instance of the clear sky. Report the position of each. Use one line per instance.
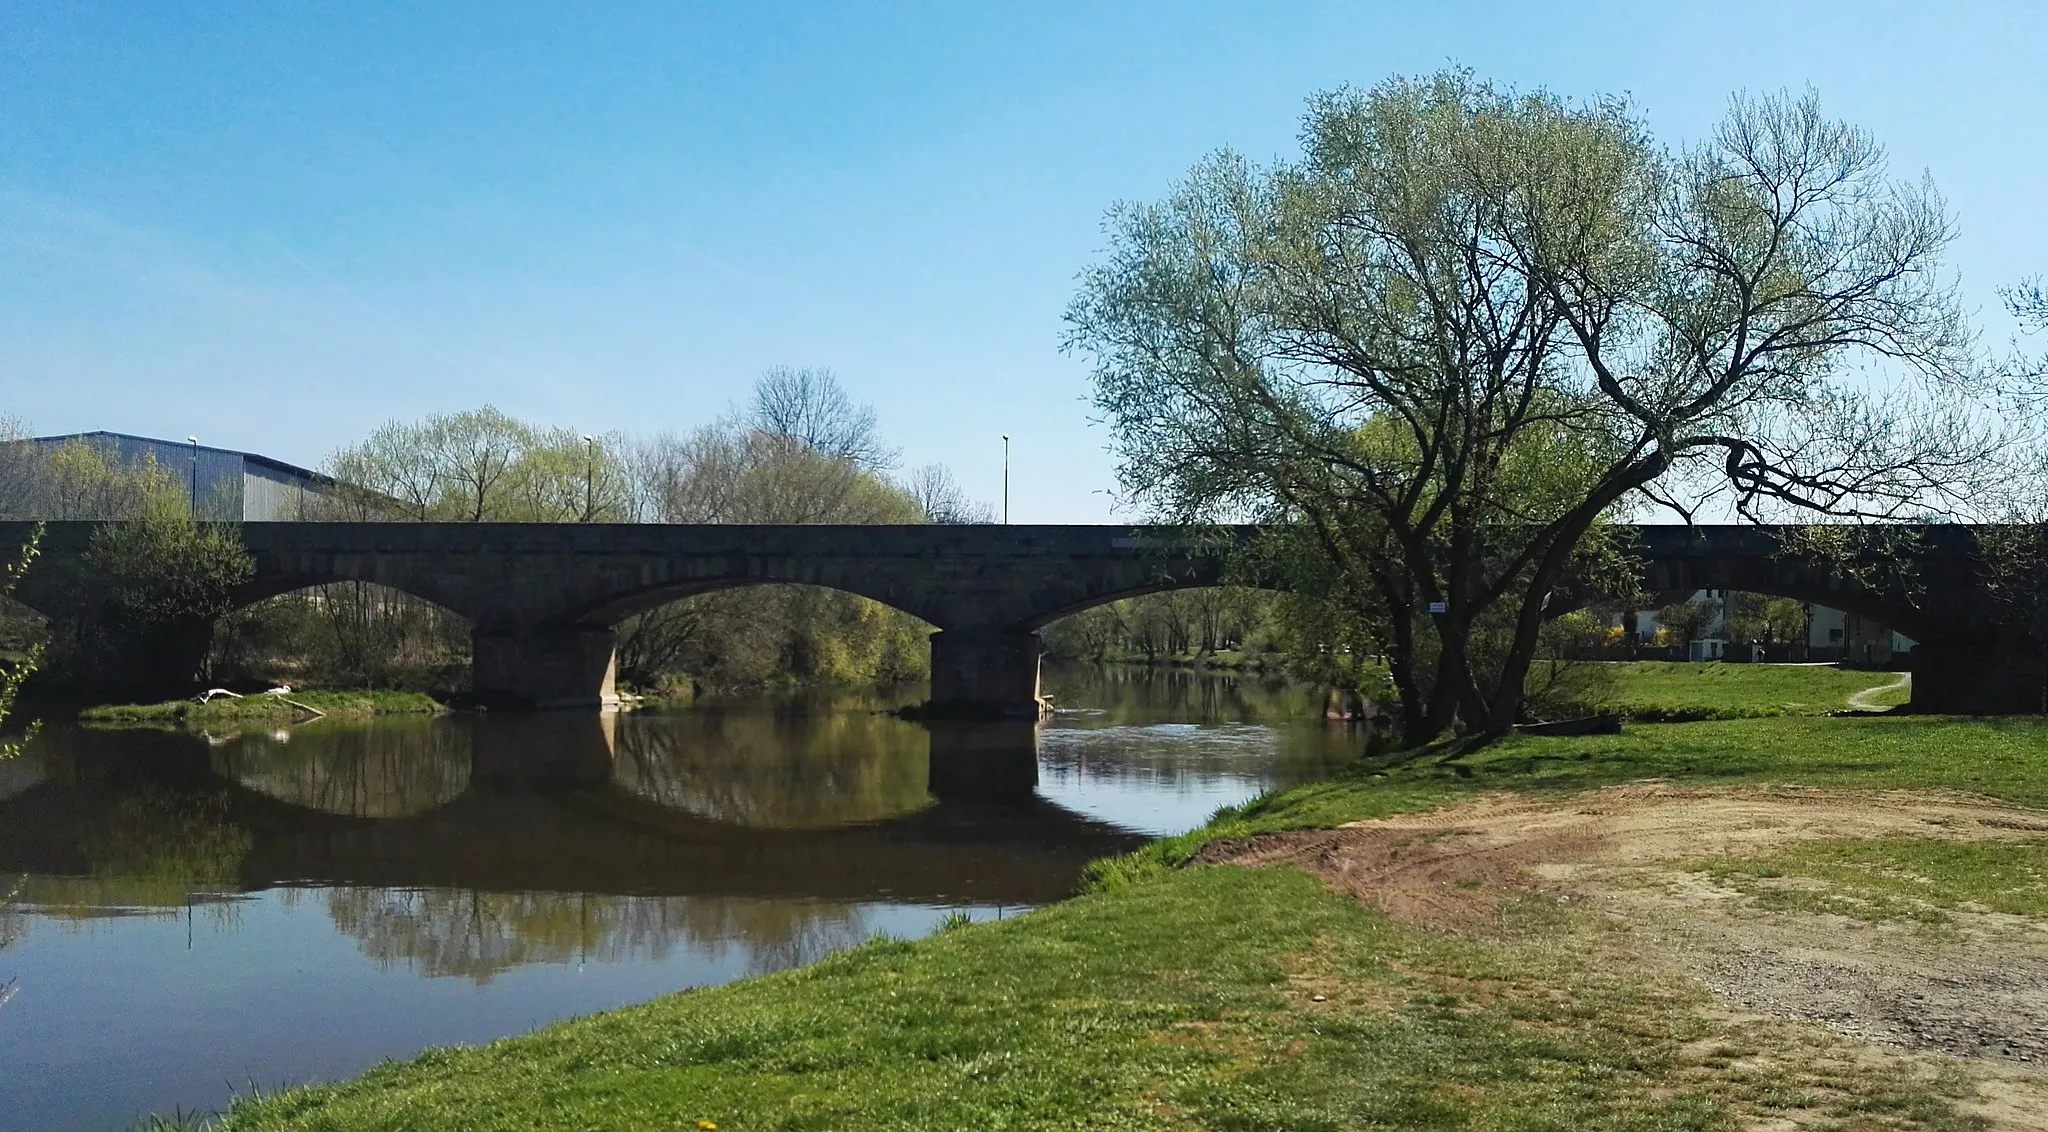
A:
(276, 225)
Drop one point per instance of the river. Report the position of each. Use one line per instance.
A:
(193, 915)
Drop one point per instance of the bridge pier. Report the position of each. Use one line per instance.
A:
(1993, 677)
(986, 675)
(556, 667)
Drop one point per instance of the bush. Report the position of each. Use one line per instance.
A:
(135, 614)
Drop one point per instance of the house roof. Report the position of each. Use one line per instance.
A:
(256, 458)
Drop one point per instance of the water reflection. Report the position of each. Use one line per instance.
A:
(775, 769)
(297, 903)
(1160, 750)
(19, 774)
(387, 768)
(1091, 695)
(479, 935)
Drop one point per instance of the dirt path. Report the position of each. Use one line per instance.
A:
(1863, 701)
(1638, 854)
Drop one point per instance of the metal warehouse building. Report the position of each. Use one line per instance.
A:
(225, 485)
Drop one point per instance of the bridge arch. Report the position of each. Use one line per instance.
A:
(542, 597)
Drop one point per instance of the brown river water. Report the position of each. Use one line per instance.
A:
(192, 915)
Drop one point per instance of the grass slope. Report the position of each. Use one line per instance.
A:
(1176, 998)
(263, 709)
(1655, 690)
(1189, 1003)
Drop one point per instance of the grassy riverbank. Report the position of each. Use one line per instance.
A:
(1245, 998)
(263, 709)
(1653, 691)
(1676, 691)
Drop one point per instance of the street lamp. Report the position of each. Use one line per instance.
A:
(194, 504)
(590, 479)
(1006, 479)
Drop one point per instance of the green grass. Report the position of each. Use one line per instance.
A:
(1186, 1004)
(1677, 691)
(1183, 998)
(1919, 881)
(262, 709)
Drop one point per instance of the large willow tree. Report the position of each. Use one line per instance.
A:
(1469, 326)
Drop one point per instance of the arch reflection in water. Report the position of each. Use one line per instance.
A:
(775, 769)
(386, 768)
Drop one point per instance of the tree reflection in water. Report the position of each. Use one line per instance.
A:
(386, 768)
(1126, 694)
(478, 935)
(157, 852)
(23, 772)
(766, 769)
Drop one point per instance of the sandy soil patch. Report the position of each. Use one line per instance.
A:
(1978, 990)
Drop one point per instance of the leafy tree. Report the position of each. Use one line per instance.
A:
(1173, 624)
(1469, 326)
(1767, 620)
(137, 611)
(19, 462)
(1687, 621)
(480, 466)
(14, 671)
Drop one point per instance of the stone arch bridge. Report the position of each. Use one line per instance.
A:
(543, 600)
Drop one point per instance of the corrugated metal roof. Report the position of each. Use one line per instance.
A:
(258, 458)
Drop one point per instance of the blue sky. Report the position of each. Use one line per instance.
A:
(277, 225)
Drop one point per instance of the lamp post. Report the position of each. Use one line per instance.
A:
(1006, 479)
(590, 479)
(194, 462)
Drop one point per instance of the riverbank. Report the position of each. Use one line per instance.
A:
(1660, 691)
(1656, 691)
(1175, 996)
(363, 704)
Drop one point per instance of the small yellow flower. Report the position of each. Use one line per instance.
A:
(707, 1126)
